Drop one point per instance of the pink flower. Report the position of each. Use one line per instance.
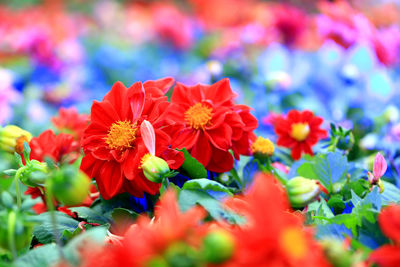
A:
(380, 166)
(379, 169)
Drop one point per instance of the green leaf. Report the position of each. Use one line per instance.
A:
(90, 215)
(337, 203)
(43, 231)
(191, 197)
(7, 200)
(391, 194)
(206, 184)
(43, 256)
(327, 168)
(192, 167)
(73, 248)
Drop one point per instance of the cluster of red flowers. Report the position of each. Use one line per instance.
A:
(203, 119)
(271, 236)
(389, 255)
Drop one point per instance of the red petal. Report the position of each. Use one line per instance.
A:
(117, 97)
(202, 150)
(186, 138)
(110, 180)
(220, 92)
(220, 137)
(386, 256)
(136, 98)
(222, 161)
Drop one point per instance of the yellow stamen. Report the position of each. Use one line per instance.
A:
(300, 131)
(121, 135)
(263, 146)
(198, 116)
(293, 243)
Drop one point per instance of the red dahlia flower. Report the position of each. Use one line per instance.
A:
(60, 148)
(113, 142)
(71, 122)
(389, 222)
(299, 131)
(213, 124)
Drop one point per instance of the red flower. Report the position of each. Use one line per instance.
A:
(60, 148)
(71, 122)
(148, 239)
(299, 131)
(389, 222)
(113, 143)
(273, 235)
(213, 124)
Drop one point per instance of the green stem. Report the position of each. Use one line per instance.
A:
(51, 208)
(11, 233)
(17, 191)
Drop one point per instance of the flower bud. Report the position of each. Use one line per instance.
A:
(33, 174)
(262, 147)
(12, 138)
(180, 254)
(336, 252)
(70, 186)
(218, 246)
(154, 168)
(302, 191)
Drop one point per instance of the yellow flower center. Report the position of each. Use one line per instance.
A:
(198, 116)
(121, 135)
(263, 146)
(293, 243)
(300, 131)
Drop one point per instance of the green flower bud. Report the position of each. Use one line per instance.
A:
(336, 252)
(154, 168)
(69, 186)
(302, 191)
(218, 246)
(180, 254)
(12, 138)
(33, 174)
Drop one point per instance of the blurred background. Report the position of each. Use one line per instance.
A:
(339, 59)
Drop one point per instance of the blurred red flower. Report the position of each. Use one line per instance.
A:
(389, 222)
(299, 131)
(272, 234)
(60, 148)
(71, 122)
(213, 124)
(147, 239)
(113, 144)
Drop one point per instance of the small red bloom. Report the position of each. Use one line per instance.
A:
(299, 131)
(71, 122)
(113, 142)
(212, 124)
(60, 148)
(389, 222)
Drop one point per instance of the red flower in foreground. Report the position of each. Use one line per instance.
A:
(389, 222)
(272, 236)
(213, 124)
(113, 142)
(147, 238)
(71, 122)
(299, 131)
